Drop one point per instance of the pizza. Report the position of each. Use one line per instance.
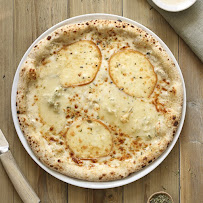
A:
(99, 100)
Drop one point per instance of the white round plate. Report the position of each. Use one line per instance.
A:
(74, 181)
(174, 7)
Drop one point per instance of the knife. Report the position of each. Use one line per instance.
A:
(20, 183)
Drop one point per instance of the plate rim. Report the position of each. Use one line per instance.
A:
(174, 8)
(82, 183)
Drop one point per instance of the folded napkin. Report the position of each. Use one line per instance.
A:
(188, 24)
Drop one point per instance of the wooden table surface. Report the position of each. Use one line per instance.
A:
(181, 173)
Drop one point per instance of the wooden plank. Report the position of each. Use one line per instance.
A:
(77, 194)
(6, 77)
(166, 176)
(31, 18)
(191, 145)
(79, 7)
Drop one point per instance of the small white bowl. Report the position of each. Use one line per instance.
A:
(174, 7)
(82, 183)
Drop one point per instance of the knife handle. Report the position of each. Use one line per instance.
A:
(20, 183)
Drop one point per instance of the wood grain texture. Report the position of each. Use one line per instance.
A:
(31, 18)
(21, 22)
(79, 7)
(191, 145)
(6, 77)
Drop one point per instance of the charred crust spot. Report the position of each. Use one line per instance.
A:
(132, 26)
(175, 123)
(77, 161)
(143, 165)
(59, 160)
(18, 112)
(52, 139)
(149, 161)
(35, 46)
(100, 177)
(121, 141)
(87, 23)
(51, 128)
(174, 117)
(49, 37)
(32, 74)
(94, 160)
(123, 26)
(119, 20)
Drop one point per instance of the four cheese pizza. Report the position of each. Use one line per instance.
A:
(99, 100)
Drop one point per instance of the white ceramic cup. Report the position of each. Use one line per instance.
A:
(174, 5)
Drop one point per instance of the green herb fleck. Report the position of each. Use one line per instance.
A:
(160, 198)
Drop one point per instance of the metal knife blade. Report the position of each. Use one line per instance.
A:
(4, 146)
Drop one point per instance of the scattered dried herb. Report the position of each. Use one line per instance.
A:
(160, 198)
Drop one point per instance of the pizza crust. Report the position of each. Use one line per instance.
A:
(49, 143)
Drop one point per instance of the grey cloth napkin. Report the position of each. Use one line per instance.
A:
(188, 24)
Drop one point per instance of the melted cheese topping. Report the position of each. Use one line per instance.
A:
(120, 122)
(89, 139)
(51, 102)
(78, 63)
(132, 71)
